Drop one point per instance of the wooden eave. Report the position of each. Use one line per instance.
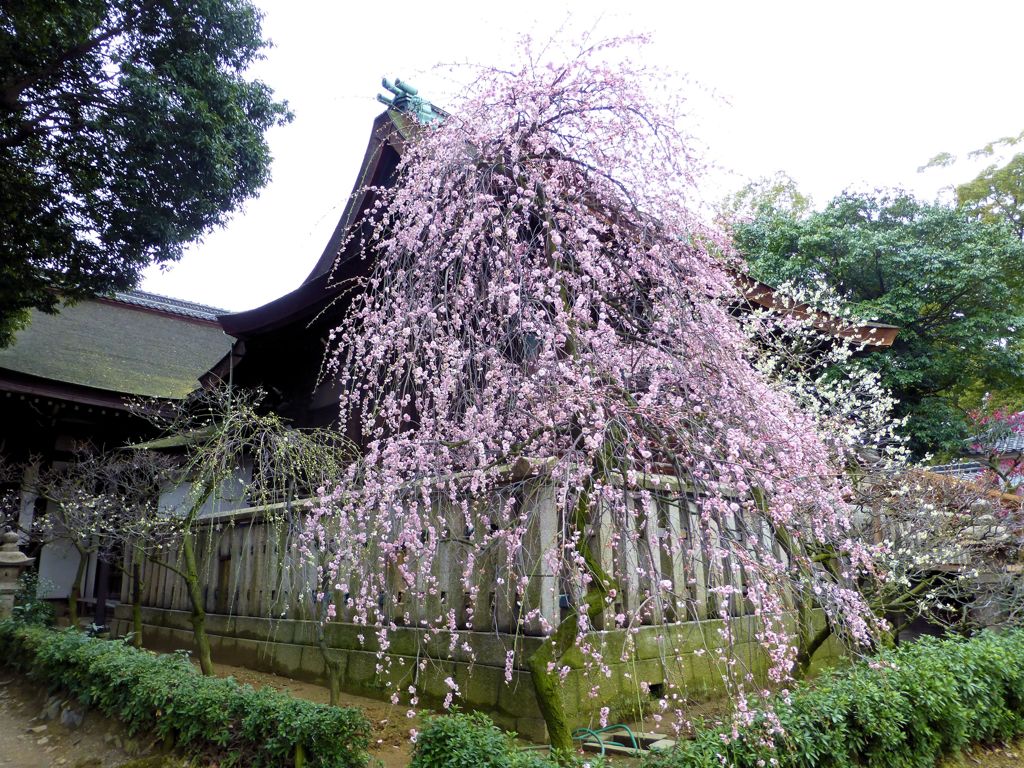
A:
(14, 383)
(871, 335)
(390, 129)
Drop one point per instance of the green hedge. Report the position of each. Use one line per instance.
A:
(905, 708)
(470, 741)
(165, 696)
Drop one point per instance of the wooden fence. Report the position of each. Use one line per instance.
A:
(250, 566)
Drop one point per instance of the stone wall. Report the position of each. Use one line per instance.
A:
(669, 658)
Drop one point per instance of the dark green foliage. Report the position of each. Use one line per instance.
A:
(905, 709)
(164, 696)
(470, 741)
(127, 129)
(28, 607)
(997, 192)
(952, 283)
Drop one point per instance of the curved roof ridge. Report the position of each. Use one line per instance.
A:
(169, 304)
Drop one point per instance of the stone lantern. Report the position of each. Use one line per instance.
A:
(12, 563)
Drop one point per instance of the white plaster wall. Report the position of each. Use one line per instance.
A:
(58, 562)
(176, 499)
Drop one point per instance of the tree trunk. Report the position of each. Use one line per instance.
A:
(546, 686)
(137, 597)
(331, 664)
(76, 588)
(195, 596)
(808, 646)
(99, 614)
(332, 667)
(543, 662)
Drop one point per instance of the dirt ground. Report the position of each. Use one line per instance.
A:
(390, 725)
(1007, 756)
(26, 741)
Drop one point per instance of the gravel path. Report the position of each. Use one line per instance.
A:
(28, 741)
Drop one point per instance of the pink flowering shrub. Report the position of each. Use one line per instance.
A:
(997, 435)
(546, 378)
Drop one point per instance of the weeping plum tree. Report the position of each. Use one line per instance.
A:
(546, 308)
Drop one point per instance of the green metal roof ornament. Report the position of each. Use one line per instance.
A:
(407, 99)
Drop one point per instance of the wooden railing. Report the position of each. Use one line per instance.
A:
(251, 566)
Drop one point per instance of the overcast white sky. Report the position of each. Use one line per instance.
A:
(838, 94)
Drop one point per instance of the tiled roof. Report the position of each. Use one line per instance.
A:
(169, 305)
(1001, 439)
(1010, 444)
(964, 470)
(135, 343)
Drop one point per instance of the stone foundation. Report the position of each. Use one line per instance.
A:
(674, 658)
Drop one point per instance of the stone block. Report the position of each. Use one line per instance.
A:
(302, 632)
(347, 636)
(701, 635)
(517, 698)
(249, 653)
(280, 631)
(532, 729)
(361, 672)
(432, 679)
(286, 659)
(481, 686)
(223, 649)
(751, 659)
(401, 673)
(404, 641)
(154, 616)
(503, 721)
(705, 677)
(650, 643)
(181, 620)
(312, 665)
(439, 646)
(155, 637)
(675, 671)
(491, 648)
(633, 674)
(252, 628)
(590, 690)
(218, 624)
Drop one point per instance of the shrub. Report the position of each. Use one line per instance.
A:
(470, 740)
(165, 696)
(905, 708)
(29, 608)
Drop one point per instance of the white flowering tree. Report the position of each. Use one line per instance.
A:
(942, 549)
(104, 503)
(10, 500)
(547, 309)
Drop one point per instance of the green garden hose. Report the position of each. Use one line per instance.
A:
(581, 734)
